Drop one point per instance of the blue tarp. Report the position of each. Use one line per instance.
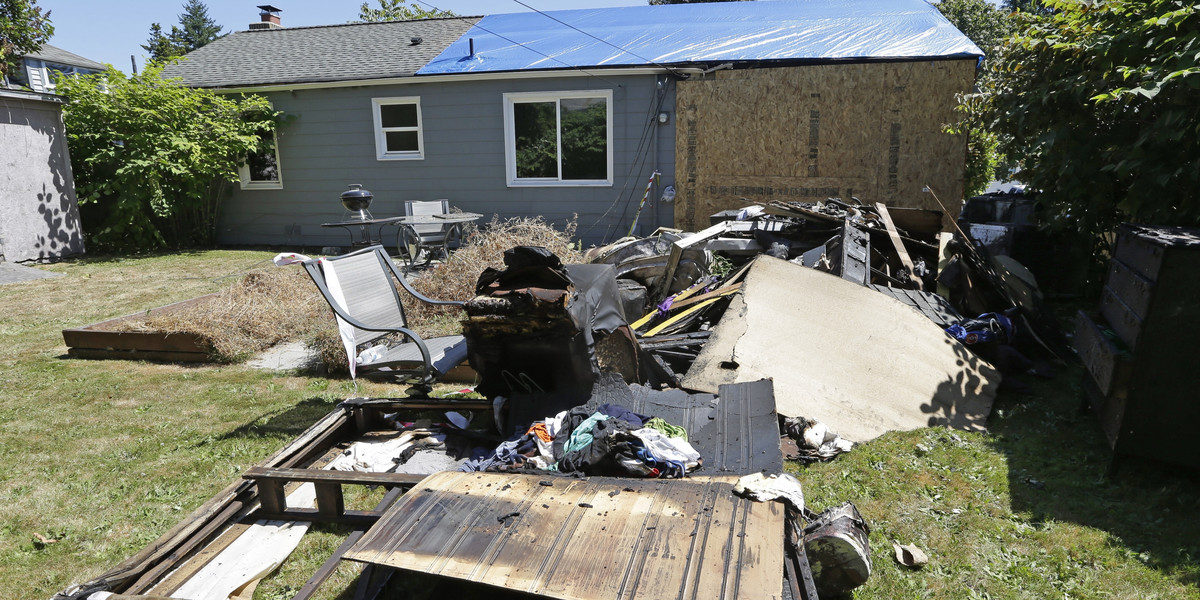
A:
(685, 34)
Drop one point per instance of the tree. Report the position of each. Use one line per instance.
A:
(163, 47)
(989, 27)
(195, 29)
(397, 10)
(152, 158)
(24, 27)
(1099, 101)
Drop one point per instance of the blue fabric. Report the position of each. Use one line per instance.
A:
(986, 328)
(617, 411)
(685, 34)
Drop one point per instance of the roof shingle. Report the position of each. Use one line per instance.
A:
(355, 51)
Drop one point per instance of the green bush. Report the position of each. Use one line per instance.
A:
(153, 158)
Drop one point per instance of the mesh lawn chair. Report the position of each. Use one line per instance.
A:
(360, 287)
(432, 239)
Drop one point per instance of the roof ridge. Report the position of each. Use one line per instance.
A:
(356, 23)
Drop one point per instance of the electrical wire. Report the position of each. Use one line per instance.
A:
(637, 164)
(671, 70)
(529, 48)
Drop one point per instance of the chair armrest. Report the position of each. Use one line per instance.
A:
(411, 290)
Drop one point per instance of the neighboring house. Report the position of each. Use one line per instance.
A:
(37, 69)
(568, 113)
(39, 218)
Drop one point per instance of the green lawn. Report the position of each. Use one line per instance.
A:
(103, 456)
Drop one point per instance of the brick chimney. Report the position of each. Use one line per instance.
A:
(269, 16)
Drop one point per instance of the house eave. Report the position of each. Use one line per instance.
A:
(492, 76)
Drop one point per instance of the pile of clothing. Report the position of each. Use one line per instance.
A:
(609, 440)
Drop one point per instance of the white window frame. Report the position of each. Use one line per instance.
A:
(510, 138)
(381, 151)
(244, 171)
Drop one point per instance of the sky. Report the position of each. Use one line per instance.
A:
(109, 32)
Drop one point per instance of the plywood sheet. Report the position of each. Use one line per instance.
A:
(585, 538)
(859, 361)
(806, 133)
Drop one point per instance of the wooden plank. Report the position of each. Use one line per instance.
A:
(671, 321)
(167, 585)
(677, 249)
(1121, 318)
(153, 355)
(584, 538)
(388, 480)
(145, 567)
(1130, 287)
(1101, 357)
(314, 582)
(395, 404)
(101, 335)
(901, 252)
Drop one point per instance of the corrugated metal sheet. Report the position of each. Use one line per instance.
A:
(682, 34)
(588, 538)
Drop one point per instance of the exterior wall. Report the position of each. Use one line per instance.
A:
(330, 144)
(807, 133)
(38, 215)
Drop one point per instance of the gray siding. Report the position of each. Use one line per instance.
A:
(330, 143)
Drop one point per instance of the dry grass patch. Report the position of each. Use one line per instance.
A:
(260, 309)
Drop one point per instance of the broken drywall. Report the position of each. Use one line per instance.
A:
(857, 360)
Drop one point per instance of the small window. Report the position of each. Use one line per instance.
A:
(261, 168)
(398, 128)
(558, 138)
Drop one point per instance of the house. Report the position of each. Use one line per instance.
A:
(566, 114)
(37, 69)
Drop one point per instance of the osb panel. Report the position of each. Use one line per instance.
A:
(806, 133)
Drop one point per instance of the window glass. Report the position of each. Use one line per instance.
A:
(559, 137)
(261, 168)
(584, 138)
(398, 115)
(402, 141)
(536, 139)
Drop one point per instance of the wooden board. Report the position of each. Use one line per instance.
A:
(104, 340)
(806, 133)
(585, 538)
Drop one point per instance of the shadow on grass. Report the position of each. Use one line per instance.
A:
(101, 259)
(1058, 471)
(286, 422)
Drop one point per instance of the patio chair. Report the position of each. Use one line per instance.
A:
(360, 287)
(435, 239)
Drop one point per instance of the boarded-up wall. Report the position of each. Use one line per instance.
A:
(806, 133)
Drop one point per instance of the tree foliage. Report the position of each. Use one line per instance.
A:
(24, 27)
(196, 29)
(397, 10)
(152, 158)
(989, 27)
(1099, 101)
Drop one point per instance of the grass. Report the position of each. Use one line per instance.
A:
(1023, 511)
(104, 456)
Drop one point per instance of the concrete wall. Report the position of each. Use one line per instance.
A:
(38, 215)
(330, 143)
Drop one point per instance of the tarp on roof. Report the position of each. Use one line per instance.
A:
(681, 34)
